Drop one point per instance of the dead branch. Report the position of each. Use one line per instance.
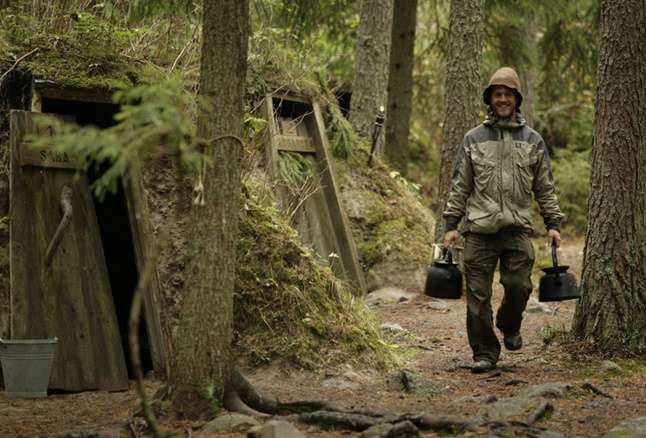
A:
(356, 422)
(540, 412)
(441, 424)
(15, 64)
(133, 338)
(590, 387)
(514, 382)
(184, 49)
(402, 429)
(132, 429)
(66, 206)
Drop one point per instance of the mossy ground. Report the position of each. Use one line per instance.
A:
(390, 224)
(289, 306)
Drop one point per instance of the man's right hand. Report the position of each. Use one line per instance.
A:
(450, 238)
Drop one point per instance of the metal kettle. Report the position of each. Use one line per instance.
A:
(557, 284)
(444, 279)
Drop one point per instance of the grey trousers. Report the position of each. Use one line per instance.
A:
(482, 252)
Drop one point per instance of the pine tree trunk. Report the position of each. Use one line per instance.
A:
(526, 70)
(462, 90)
(371, 65)
(400, 84)
(202, 364)
(612, 310)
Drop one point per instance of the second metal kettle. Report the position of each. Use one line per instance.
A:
(444, 279)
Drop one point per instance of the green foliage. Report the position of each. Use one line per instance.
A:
(342, 135)
(322, 31)
(78, 51)
(428, 95)
(294, 170)
(552, 334)
(572, 178)
(138, 10)
(153, 120)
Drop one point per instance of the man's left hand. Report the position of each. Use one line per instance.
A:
(554, 237)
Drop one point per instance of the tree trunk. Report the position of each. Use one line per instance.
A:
(371, 65)
(612, 310)
(201, 369)
(400, 83)
(462, 90)
(526, 70)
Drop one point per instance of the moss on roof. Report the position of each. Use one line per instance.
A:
(75, 51)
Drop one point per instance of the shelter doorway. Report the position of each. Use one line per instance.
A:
(114, 227)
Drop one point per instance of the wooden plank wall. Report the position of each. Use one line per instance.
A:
(70, 299)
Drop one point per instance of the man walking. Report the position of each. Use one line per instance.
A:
(499, 165)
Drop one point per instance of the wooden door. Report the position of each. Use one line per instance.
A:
(320, 218)
(69, 297)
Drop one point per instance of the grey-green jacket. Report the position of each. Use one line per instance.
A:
(498, 167)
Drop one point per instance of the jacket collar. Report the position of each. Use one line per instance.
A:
(514, 122)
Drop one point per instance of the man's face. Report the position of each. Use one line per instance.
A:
(503, 101)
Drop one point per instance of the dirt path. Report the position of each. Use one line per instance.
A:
(439, 351)
(434, 344)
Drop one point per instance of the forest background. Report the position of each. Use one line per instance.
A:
(310, 47)
(303, 44)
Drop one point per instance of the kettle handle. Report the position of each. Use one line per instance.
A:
(555, 261)
(447, 254)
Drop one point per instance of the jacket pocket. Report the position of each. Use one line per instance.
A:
(524, 180)
(483, 172)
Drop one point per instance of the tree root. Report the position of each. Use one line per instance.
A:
(233, 403)
(356, 422)
(244, 397)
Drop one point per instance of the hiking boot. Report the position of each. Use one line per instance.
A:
(482, 366)
(513, 342)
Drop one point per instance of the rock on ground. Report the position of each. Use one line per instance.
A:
(635, 428)
(276, 429)
(389, 295)
(506, 408)
(231, 422)
(550, 390)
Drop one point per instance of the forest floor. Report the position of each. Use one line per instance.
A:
(595, 395)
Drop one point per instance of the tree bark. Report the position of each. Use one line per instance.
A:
(612, 310)
(369, 88)
(202, 364)
(527, 69)
(462, 90)
(400, 84)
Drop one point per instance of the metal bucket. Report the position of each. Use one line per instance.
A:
(26, 365)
